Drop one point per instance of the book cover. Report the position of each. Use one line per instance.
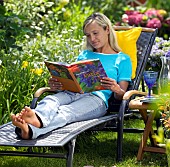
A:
(81, 76)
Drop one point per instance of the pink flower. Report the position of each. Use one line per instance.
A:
(135, 19)
(152, 13)
(154, 23)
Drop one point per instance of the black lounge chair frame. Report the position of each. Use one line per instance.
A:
(66, 136)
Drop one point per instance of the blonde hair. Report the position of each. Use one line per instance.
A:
(104, 22)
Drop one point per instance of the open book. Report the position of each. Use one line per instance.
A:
(81, 76)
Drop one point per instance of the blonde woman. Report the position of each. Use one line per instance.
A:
(57, 110)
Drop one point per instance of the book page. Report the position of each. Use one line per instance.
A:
(62, 74)
(88, 74)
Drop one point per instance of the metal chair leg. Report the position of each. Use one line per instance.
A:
(71, 147)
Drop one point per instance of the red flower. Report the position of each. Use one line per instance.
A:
(131, 12)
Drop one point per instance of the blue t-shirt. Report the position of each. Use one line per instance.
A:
(117, 66)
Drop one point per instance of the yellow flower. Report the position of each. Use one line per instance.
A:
(145, 17)
(162, 12)
(64, 2)
(24, 64)
(67, 15)
(32, 70)
(160, 137)
(38, 71)
(161, 108)
(166, 37)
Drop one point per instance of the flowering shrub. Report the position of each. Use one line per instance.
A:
(163, 110)
(53, 31)
(160, 48)
(151, 18)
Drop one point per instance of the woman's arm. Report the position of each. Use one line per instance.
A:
(118, 89)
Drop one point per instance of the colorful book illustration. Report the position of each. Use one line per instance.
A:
(81, 76)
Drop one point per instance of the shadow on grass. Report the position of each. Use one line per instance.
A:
(102, 152)
(98, 150)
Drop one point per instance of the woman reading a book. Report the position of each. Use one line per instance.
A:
(64, 107)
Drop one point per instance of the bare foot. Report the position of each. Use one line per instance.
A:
(29, 116)
(22, 125)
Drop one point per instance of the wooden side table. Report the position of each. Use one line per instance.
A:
(148, 130)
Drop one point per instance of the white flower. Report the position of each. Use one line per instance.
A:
(125, 18)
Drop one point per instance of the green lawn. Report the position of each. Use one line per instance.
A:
(98, 150)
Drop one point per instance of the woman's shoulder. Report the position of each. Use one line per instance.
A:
(84, 54)
(122, 58)
(123, 55)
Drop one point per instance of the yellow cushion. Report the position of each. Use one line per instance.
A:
(127, 41)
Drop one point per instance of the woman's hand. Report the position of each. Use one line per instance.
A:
(54, 84)
(110, 84)
(118, 89)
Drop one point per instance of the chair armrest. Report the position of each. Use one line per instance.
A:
(42, 90)
(130, 93)
(38, 93)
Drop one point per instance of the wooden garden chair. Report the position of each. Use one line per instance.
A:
(66, 136)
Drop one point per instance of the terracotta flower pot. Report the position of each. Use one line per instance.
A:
(136, 2)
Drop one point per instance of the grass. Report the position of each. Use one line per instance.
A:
(98, 150)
